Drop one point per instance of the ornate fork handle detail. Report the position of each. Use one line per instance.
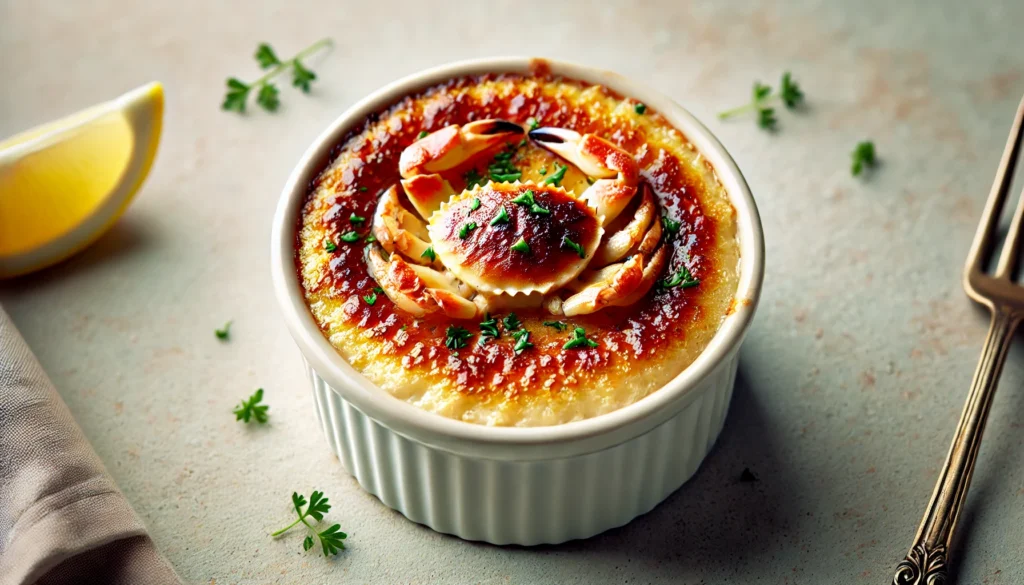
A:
(926, 563)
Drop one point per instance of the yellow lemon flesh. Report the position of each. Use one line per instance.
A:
(65, 183)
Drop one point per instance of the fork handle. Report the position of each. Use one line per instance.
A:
(926, 563)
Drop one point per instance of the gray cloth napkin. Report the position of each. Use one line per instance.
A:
(62, 518)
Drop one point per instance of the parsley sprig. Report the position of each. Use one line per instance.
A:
(502, 170)
(251, 408)
(331, 539)
(556, 177)
(762, 96)
(527, 199)
(267, 94)
(489, 329)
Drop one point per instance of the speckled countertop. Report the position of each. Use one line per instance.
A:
(851, 380)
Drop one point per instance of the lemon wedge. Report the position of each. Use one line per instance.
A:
(66, 182)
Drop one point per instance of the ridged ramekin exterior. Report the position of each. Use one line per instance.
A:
(530, 502)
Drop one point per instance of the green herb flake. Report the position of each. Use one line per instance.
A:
(527, 199)
(429, 253)
(251, 408)
(502, 216)
(579, 339)
(329, 245)
(473, 178)
(511, 322)
(559, 325)
(533, 123)
(566, 242)
(521, 246)
(363, 189)
(640, 109)
(489, 329)
(557, 176)
(356, 219)
(423, 134)
(542, 171)
(466, 228)
(456, 337)
(502, 170)
(522, 338)
(790, 92)
(349, 237)
(671, 226)
(370, 238)
(266, 57)
(683, 278)
(863, 157)
(474, 205)
(224, 332)
(370, 299)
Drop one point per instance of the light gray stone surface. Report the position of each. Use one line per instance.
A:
(851, 380)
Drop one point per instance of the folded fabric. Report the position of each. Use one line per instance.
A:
(62, 518)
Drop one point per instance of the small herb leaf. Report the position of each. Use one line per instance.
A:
(266, 57)
(456, 337)
(223, 332)
(252, 409)
(579, 339)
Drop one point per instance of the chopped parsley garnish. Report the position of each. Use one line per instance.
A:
(556, 324)
(456, 337)
(378, 290)
(683, 279)
(522, 143)
(522, 338)
(329, 245)
(349, 237)
(527, 199)
(543, 171)
(222, 333)
(502, 216)
(252, 409)
(511, 322)
(466, 228)
(473, 178)
(356, 219)
(766, 118)
(370, 238)
(489, 329)
(364, 188)
(521, 246)
(502, 170)
(557, 176)
(429, 253)
(533, 123)
(422, 134)
(640, 109)
(574, 247)
(474, 205)
(671, 226)
(579, 339)
(370, 299)
(863, 157)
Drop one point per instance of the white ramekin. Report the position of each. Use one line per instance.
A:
(519, 485)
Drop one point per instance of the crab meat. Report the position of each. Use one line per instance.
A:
(444, 150)
(398, 230)
(419, 290)
(616, 172)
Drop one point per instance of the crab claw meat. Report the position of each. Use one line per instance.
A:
(619, 243)
(616, 171)
(418, 290)
(398, 230)
(453, 145)
(427, 193)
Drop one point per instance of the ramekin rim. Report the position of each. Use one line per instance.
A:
(571, 438)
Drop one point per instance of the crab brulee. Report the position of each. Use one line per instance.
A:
(518, 250)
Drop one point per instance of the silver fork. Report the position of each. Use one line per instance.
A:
(927, 563)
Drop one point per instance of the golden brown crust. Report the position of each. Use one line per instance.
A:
(640, 345)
